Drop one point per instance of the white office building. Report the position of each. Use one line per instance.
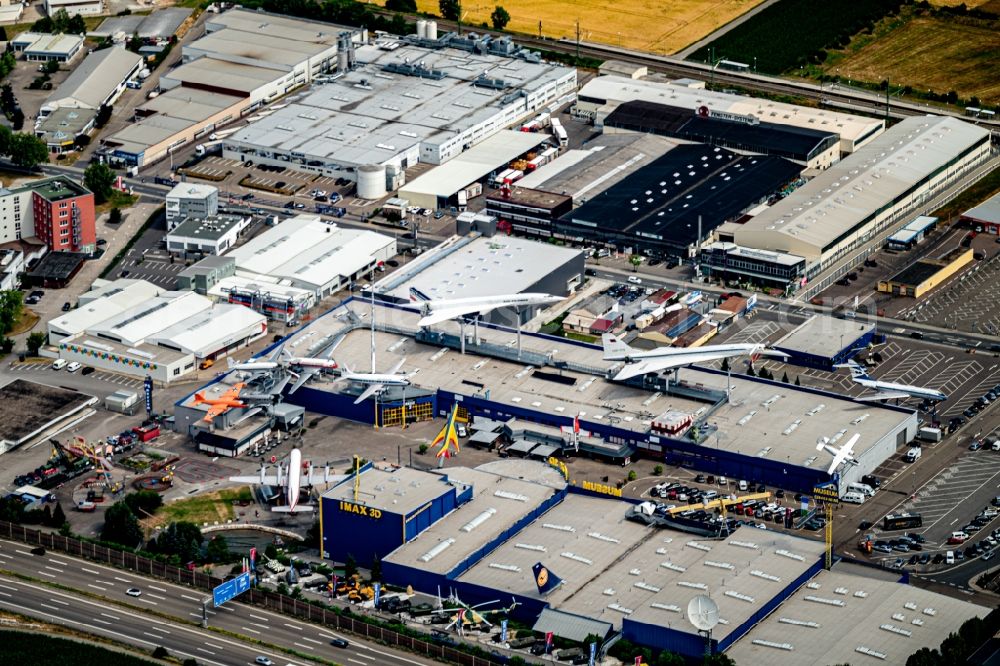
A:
(191, 200)
(198, 237)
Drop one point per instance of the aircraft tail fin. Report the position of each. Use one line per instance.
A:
(417, 295)
(545, 579)
(297, 509)
(614, 345)
(199, 398)
(857, 370)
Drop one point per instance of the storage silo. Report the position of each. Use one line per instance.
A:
(431, 30)
(422, 29)
(371, 181)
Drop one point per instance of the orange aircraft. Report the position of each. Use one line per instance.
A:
(222, 404)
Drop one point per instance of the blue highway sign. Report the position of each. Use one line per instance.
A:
(230, 589)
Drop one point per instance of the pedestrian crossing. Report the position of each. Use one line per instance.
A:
(104, 376)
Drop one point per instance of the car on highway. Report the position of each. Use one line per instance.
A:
(263, 661)
(37, 550)
(339, 642)
(133, 592)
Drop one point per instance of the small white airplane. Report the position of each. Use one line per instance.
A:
(436, 311)
(889, 390)
(291, 480)
(271, 362)
(280, 358)
(376, 381)
(640, 362)
(841, 455)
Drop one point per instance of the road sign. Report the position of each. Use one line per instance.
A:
(230, 589)
(147, 386)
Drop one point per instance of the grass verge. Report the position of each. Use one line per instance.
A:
(207, 508)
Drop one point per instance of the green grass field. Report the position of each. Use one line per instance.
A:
(207, 508)
(37, 648)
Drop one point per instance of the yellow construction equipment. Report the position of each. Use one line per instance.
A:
(721, 503)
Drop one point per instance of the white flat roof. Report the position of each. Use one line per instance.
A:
(135, 324)
(623, 89)
(210, 330)
(308, 250)
(111, 299)
(471, 267)
(814, 216)
(474, 163)
(60, 44)
(842, 618)
(821, 335)
(222, 288)
(191, 191)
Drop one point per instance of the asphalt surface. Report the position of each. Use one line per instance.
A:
(120, 616)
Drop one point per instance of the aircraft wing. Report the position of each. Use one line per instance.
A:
(396, 367)
(884, 395)
(280, 386)
(333, 346)
(447, 314)
(213, 411)
(682, 358)
(304, 376)
(269, 479)
(368, 392)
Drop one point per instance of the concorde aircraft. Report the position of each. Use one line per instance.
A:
(291, 480)
(639, 362)
(889, 390)
(435, 311)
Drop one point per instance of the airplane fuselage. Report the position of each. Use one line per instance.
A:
(294, 476)
(915, 391)
(379, 379)
(253, 366)
(490, 302)
(307, 362)
(632, 355)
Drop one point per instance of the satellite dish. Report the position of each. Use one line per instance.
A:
(703, 613)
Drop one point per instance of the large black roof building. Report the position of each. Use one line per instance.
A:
(657, 209)
(814, 148)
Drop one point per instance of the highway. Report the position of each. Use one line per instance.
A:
(144, 622)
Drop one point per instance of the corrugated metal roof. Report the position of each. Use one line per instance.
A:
(988, 211)
(569, 626)
(91, 83)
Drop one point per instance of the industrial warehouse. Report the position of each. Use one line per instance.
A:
(403, 104)
(577, 567)
(870, 191)
(698, 418)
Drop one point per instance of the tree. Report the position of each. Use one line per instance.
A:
(725, 365)
(401, 5)
(217, 550)
(666, 658)
(99, 179)
(271, 551)
(160, 652)
(924, 657)
(784, 377)
(121, 526)
(635, 260)
(750, 372)
(8, 61)
(632, 475)
(81, 141)
(658, 470)
(60, 21)
(3, 34)
(718, 660)
(182, 539)
(350, 566)
(377, 569)
(798, 382)
(11, 304)
(499, 18)
(43, 24)
(58, 516)
(143, 503)
(450, 9)
(76, 26)
(51, 66)
(115, 217)
(190, 662)
(5, 136)
(103, 115)
(27, 150)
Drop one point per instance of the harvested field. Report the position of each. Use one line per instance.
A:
(929, 53)
(648, 25)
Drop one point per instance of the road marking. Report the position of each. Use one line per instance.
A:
(147, 601)
(156, 596)
(217, 647)
(6, 594)
(197, 615)
(90, 571)
(188, 596)
(54, 569)
(258, 624)
(105, 582)
(257, 617)
(47, 606)
(6, 556)
(158, 589)
(390, 655)
(59, 601)
(113, 617)
(124, 580)
(227, 608)
(97, 619)
(252, 631)
(146, 633)
(312, 640)
(23, 552)
(9, 587)
(96, 587)
(46, 573)
(303, 645)
(292, 626)
(363, 663)
(205, 651)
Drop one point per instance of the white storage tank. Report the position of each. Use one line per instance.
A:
(371, 181)
(432, 30)
(422, 29)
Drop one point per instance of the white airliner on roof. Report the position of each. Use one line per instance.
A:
(657, 360)
(437, 311)
(889, 390)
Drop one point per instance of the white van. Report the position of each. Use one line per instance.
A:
(853, 498)
(949, 557)
(862, 488)
(634, 280)
(743, 486)
(59, 364)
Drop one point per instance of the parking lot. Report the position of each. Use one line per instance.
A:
(45, 368)
(153, 267)
(967, 303)
(962, 376)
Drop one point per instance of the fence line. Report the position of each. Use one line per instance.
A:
(264, 598)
